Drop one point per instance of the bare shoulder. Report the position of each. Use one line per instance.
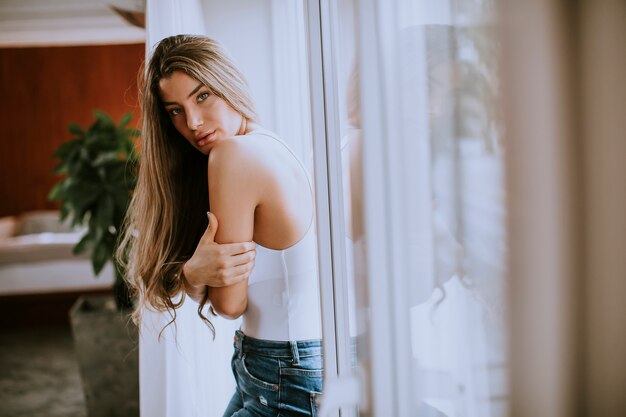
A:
(230, 152)
(259, 152)
(236, 162)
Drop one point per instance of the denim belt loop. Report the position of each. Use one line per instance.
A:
(239, 343)
(294, 353)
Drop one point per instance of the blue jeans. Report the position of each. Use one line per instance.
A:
(275, 378)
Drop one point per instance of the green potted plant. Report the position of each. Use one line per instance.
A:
(99, 167)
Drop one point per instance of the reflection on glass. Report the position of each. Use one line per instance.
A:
(351, 160)
(448, 85)
(457, 332)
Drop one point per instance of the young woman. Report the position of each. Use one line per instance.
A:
(203, 149)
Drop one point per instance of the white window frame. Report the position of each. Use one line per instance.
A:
(331, 226)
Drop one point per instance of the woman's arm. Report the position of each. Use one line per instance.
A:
(216, 265)
(233, 197)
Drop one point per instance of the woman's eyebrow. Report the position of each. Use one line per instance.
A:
(195, 90)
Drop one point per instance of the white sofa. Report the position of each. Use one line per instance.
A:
(36, 257)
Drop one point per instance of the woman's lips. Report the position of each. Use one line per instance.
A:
(203, 140)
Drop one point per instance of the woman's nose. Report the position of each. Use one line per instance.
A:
(194, 120)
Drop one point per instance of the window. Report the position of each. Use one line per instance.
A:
(416, 203)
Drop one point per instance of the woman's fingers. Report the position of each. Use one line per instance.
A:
(237, 273)
(238, 278)
(242, 258)
(220, 265)
(237, 248)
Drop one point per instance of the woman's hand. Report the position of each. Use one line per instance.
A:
(217, 265)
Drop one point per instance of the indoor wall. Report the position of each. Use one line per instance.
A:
(44, 89)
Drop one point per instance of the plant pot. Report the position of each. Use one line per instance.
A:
(106, 344)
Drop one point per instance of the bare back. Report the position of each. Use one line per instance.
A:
(259, 190)
(285, 209)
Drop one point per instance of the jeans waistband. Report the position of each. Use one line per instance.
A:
(276, 348)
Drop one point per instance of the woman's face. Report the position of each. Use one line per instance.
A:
(200, 116)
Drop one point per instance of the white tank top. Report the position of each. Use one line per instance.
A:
(283, 289)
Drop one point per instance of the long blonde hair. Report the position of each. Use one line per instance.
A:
(167, 213)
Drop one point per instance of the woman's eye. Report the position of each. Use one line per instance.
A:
(203, 96)
(173, 112)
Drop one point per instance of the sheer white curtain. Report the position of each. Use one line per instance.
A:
(186, 372)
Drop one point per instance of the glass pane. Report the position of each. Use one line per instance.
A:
(457, 330)
(437, 77)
